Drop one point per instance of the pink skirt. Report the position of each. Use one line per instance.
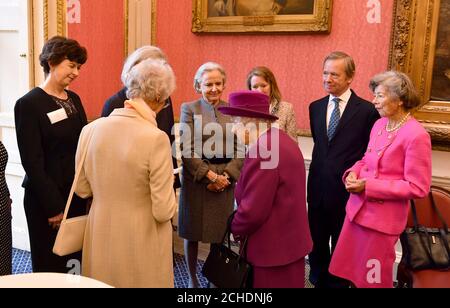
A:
(287, 276)
(364, 256)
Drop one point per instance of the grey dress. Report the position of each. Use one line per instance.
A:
(203, 214)
(5, 218)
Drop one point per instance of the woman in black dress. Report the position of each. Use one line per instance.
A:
(49, 120)
(5, 218)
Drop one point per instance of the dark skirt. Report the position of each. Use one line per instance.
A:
(42, 237)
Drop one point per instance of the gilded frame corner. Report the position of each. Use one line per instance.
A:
(412, 51)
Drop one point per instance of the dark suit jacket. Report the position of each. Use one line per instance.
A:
(331, 159)
(47, 150)
(164, 119)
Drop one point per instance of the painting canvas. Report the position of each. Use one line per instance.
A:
(440, 85)
(259, 7)
(262, 16)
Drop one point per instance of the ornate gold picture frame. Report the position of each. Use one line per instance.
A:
(261, 16)
(419, 49)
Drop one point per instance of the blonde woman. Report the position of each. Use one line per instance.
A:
(262, 79)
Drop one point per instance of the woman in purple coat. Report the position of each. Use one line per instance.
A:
(270, 194)
(395, 168)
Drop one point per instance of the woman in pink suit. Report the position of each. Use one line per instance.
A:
(395, 168)
(270, 194)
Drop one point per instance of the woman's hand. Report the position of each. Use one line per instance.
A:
(353, 184)
(55, 222)
(351, 178)
(222, 182)
(219, 184)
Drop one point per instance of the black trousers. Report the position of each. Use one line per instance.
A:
(325, 225)
(42, 236)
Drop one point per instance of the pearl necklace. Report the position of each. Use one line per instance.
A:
(399, 124)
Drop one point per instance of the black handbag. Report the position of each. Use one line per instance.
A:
(224, 267)
(426, 248)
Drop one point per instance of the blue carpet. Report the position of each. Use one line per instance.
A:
(22, 265)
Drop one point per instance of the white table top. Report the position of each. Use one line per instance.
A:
(49, 280)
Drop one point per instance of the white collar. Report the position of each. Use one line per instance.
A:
(345, 97)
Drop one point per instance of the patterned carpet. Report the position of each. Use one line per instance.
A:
(22, 264)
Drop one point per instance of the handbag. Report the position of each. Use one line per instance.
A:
(70, 235)
(224, 267)
(426, 248)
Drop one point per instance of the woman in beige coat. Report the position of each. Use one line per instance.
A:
(128, 172)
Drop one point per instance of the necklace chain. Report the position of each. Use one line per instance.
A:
(399, 124)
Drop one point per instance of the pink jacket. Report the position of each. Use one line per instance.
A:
(397, 168)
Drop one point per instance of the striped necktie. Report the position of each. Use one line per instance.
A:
(334, 119)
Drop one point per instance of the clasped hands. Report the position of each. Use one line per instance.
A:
(219, 182)
(353, 184)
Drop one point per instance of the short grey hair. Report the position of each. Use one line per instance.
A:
(151, 80)
(139, 55)
(205, 68)
(398, 85)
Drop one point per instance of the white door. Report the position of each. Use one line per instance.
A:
(14, 83)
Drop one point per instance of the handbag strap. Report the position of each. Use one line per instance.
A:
(443, 231)
(434, 207)
(227, 235)
(77, 175)
(414, 213)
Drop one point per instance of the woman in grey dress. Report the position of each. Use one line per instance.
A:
(5, 218)
(210, 165)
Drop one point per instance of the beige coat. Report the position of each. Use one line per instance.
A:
(128, 171)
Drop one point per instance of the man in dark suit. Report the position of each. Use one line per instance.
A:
(340, 127)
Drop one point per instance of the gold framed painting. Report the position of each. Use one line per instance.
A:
(261, 16)
(420, 47)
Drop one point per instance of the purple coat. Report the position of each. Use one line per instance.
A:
(272, 203)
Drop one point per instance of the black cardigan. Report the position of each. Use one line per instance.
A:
(47, 150)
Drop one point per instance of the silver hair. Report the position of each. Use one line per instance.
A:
(151, 80)
(398, 85)
(205, 68)
(139, 55)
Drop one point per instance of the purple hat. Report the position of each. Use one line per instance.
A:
(251, 104)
